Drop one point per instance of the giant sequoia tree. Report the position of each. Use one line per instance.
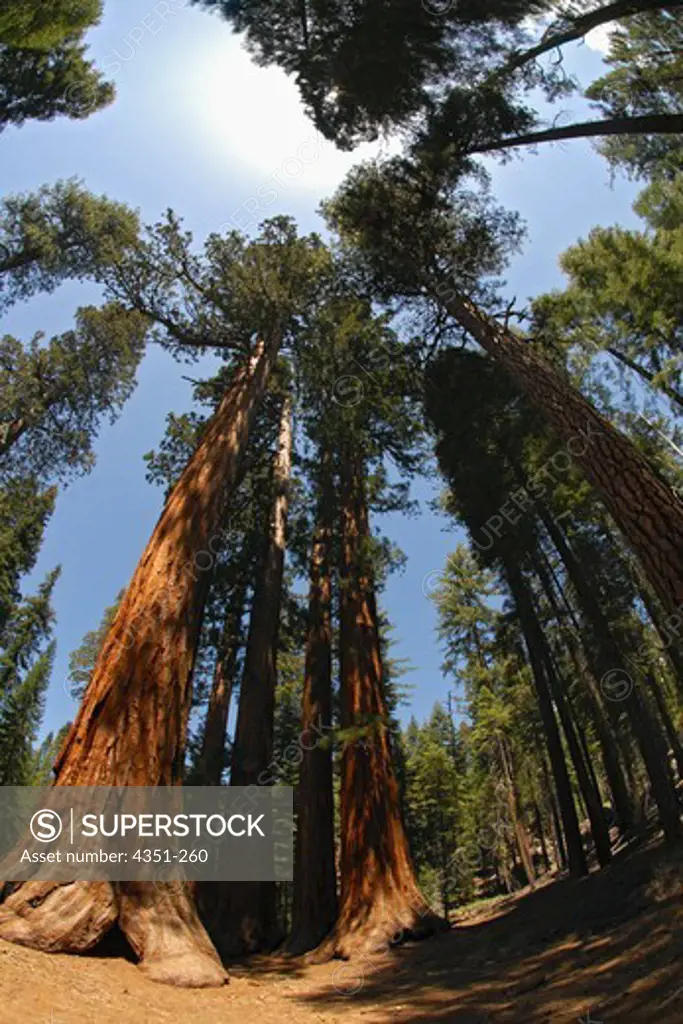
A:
(141, 685)
(378, 893)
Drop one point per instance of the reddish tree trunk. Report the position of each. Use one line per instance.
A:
(644, 508)
(248, 916)
(315, 883)
(379, 897)
(130, 728)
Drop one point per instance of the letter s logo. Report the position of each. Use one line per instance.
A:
(46, 826)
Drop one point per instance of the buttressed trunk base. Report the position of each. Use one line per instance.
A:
(130, 728)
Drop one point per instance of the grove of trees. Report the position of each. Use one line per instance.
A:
(252, 645)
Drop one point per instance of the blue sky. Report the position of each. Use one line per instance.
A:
(198, 128)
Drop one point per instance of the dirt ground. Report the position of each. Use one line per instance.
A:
(607, 949)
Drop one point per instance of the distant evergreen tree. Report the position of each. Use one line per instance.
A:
(645, 78)
(43, 68)
(43, 756)
(26, 630)
(82, 659)
(432, 798)
(24, 511)
(25, 667)
(21, 713)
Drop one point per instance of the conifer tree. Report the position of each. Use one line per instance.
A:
(458, 240)
(244, 298)
(44, 756)
(54, 396)
(603, 645)
(83, 659)
(21, 712)
(644, 79)
(623, 295)
(25, 667)
(462, 77)
(61, 232)
(43, 68)
(24, 510)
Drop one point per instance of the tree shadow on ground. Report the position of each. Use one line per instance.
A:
(609, 946)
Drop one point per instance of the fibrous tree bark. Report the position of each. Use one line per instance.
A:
(645, 509)
(379, 897)
(130, 728)
(248, 918)
(315, 882)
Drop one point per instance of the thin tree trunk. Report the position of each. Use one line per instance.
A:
(670, 392)
(621, 797)
(670, 644)
(669, 728)
(130, 728)
(609, 667)
(645, 124)
(589, 789)
(541, 837)
(315, 884)
(590, 794)
(558, 835)
(249, 915)
(585, 750)
(642, 505)
(211, 760)
(534, 643)
(521, 837)
(379, 898)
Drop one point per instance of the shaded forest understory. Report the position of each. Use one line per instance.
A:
(609, 946)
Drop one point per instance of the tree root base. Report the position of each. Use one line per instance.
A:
(57, 918)
(376, 933)
(160, 925)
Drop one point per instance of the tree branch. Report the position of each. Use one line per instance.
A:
(647, 124)
(579, 27)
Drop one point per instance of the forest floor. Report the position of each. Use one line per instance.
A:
(606, 949)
